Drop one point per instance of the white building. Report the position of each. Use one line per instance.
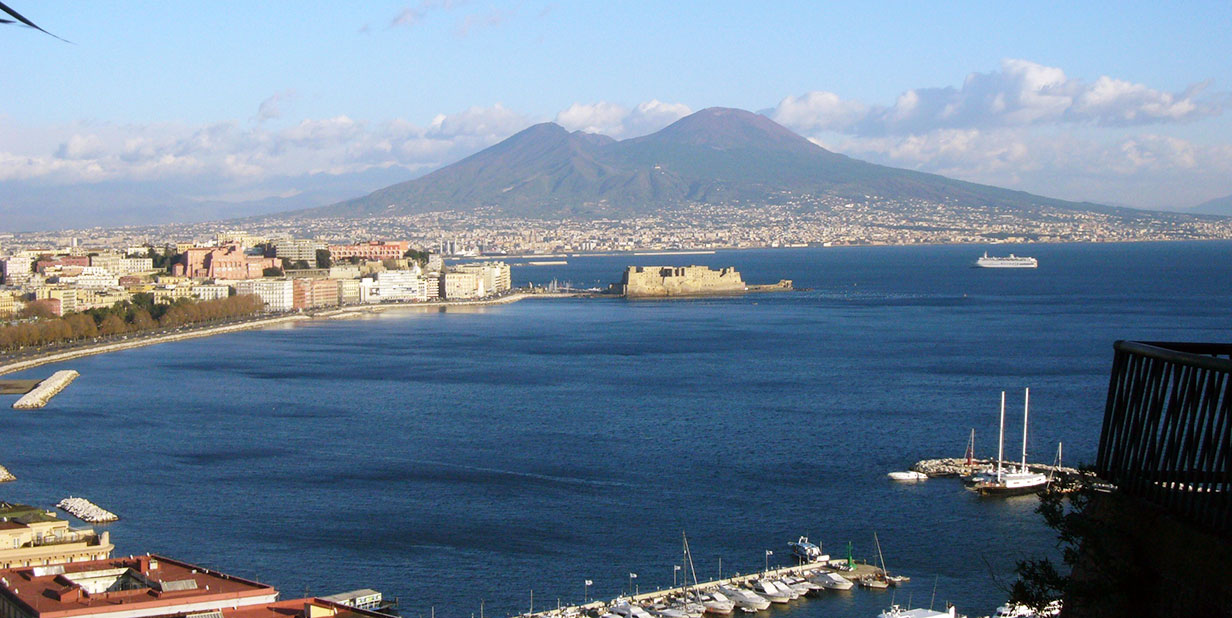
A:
(211, 291)
(463, 285)
(296, 249)
(393, 285)
(495, 275)
(277, 294)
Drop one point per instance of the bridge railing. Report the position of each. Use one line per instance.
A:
(1167, 432)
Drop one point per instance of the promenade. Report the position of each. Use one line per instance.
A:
(138, 340)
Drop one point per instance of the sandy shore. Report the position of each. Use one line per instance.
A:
(332, 314)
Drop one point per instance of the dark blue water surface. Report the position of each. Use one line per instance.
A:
(446, 457)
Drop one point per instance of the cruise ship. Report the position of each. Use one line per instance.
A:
(1013, 261)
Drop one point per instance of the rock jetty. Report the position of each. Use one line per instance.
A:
(957, 466)
(5, 475)
(46, 389)
(86, 511)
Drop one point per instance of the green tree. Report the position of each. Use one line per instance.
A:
(323, 258)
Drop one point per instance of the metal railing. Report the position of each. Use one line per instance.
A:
(1167, 433)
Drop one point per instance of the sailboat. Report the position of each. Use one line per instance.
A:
(878, 581)
(1006, 481)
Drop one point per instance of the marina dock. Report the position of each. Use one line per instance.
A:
(41, 394)
(598, 608)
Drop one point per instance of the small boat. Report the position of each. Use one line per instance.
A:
(910, 475)
(1022, 611)
(896, 611)
(801, 586)
(625, 609)
(897, 580)
(873, 582)
(717, 603)
(806, 551)
(771, 593)
(832, 581)
(746, 600)
(791, 593)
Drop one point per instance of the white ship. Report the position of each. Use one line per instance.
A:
(1013, 261)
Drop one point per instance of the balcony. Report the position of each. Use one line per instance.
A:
(1167, 432)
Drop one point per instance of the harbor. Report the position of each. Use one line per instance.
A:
(815, 575)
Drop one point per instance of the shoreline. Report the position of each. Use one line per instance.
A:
(337, 313)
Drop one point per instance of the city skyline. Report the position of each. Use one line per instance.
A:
(335, 102)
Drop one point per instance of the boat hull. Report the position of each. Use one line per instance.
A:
(1001, 490)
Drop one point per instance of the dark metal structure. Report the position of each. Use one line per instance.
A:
(1167, 434)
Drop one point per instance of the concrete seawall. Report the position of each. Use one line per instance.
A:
(46, 389)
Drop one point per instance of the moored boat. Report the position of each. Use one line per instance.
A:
(907, 476)
(832, 581)
(1011, 482)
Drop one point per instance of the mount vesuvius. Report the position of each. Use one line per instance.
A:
(715, 156)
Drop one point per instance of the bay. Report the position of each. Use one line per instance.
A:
(446, 457)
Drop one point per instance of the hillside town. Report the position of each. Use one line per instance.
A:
(792, 219)
(282, 273)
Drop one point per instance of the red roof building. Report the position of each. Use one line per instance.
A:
(132, 587)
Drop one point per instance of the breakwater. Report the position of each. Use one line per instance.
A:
(86, 511)
(46, 389)
(5, 475)
(958, 466)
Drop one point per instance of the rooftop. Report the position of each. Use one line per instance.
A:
(135, 586)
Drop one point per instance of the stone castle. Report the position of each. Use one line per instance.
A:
(659, 281)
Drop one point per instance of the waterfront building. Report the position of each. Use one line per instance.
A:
(462, 285)
(168, 294)
(296, 249)
(210, 291)
(314, 293)
(93, 299)
(277, 294)
(34, 537)
(495, 275)
(348, 291)
(132, 587)
(393, 285)
(372, 250)
(433, 284)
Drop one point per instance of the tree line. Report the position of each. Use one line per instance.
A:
(139, 314)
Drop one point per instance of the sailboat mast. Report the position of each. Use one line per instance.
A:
(1026, 399)
(1001, 437)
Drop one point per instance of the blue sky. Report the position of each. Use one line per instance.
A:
(236, 95)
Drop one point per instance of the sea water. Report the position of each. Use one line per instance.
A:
(453, 457)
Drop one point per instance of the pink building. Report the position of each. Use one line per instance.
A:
(227, 262)
(372, 250)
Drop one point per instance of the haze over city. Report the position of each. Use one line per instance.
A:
(206, 111)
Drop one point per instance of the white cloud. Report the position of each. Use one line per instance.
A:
(1019, 93)
(1147, 170)
(271, 107)
(618, 121)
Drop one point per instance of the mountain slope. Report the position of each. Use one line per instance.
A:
(1217, 206)
(717, 155)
